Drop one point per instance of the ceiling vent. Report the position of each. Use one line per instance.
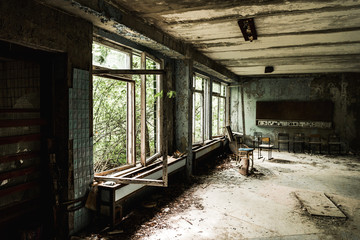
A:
(247, 27)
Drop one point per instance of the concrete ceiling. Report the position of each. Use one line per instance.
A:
(295, 37)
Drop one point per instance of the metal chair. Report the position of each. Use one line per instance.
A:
(334, 141)
(265, 143)
(315, 140)
(256, 141)
(299, 138)
(244, 156)
(283, 138)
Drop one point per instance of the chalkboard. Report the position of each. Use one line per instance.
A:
(291, 110)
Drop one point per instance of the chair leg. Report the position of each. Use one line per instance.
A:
(259, 153)
(269, 153)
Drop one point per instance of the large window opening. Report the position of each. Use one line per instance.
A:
(110, 111)
(126, 109)
(148, 92)
(199, 108)
(218, 109)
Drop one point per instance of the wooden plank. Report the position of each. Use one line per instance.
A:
(318, 204)
(18, 139)
(143, 112)
(114, 77)
(19, 110)
(18, 209)
(131, 130)
(22, 122)
(17, 173)
(121, 180)
(18, 188)
(19, 156)
(129, 71)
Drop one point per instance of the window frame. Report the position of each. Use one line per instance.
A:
(159, 79)
(219, 96)
(131, 117)
(205, 90)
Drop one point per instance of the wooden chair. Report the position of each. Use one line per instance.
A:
(315, 140)
(299, 138)
(265, 143)
(283, 138)
(334, 141)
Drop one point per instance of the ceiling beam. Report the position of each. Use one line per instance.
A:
(117, 20)
(291, 60)
(270, 12)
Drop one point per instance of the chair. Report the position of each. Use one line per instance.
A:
(256, 141)
(241, 151)
(245, 154)
(334, 141)
(283, 138)
(315, 140)
(265, 143)
(299, 138)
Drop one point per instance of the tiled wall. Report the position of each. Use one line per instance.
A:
(79, 132)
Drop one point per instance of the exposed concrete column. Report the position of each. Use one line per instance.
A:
(235, 108)
(183, 83)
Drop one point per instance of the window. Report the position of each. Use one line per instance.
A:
(218, 109)
(126, 109)
(111, 118)
(148, 93)
(198, 109)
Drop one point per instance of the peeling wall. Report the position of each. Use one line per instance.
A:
(183, 112)
(31, 24)
(341, 89)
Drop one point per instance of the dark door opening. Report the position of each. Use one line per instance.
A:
(25, 126)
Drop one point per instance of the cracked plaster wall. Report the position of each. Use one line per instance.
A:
(341, 89)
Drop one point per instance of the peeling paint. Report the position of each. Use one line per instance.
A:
(341, 89)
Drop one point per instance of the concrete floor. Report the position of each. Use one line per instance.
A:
(263, 206)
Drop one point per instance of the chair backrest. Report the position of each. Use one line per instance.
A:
(299, 137)
(230, 134)
(283, 136)
(265, 140)
(334, 138)
(257, 136)
(315, 137)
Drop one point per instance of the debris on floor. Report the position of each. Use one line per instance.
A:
(318, 204)
(220, 203)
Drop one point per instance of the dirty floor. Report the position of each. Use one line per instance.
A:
(223, 204)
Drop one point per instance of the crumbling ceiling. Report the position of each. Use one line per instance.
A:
(293, 36)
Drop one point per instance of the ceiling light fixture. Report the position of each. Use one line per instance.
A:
(269, 69)
(247, 27)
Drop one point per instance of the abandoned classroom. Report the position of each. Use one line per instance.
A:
(144, 119)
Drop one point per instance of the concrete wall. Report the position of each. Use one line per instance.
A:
(341, 89)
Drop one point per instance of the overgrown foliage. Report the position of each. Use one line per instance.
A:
(110, 109)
